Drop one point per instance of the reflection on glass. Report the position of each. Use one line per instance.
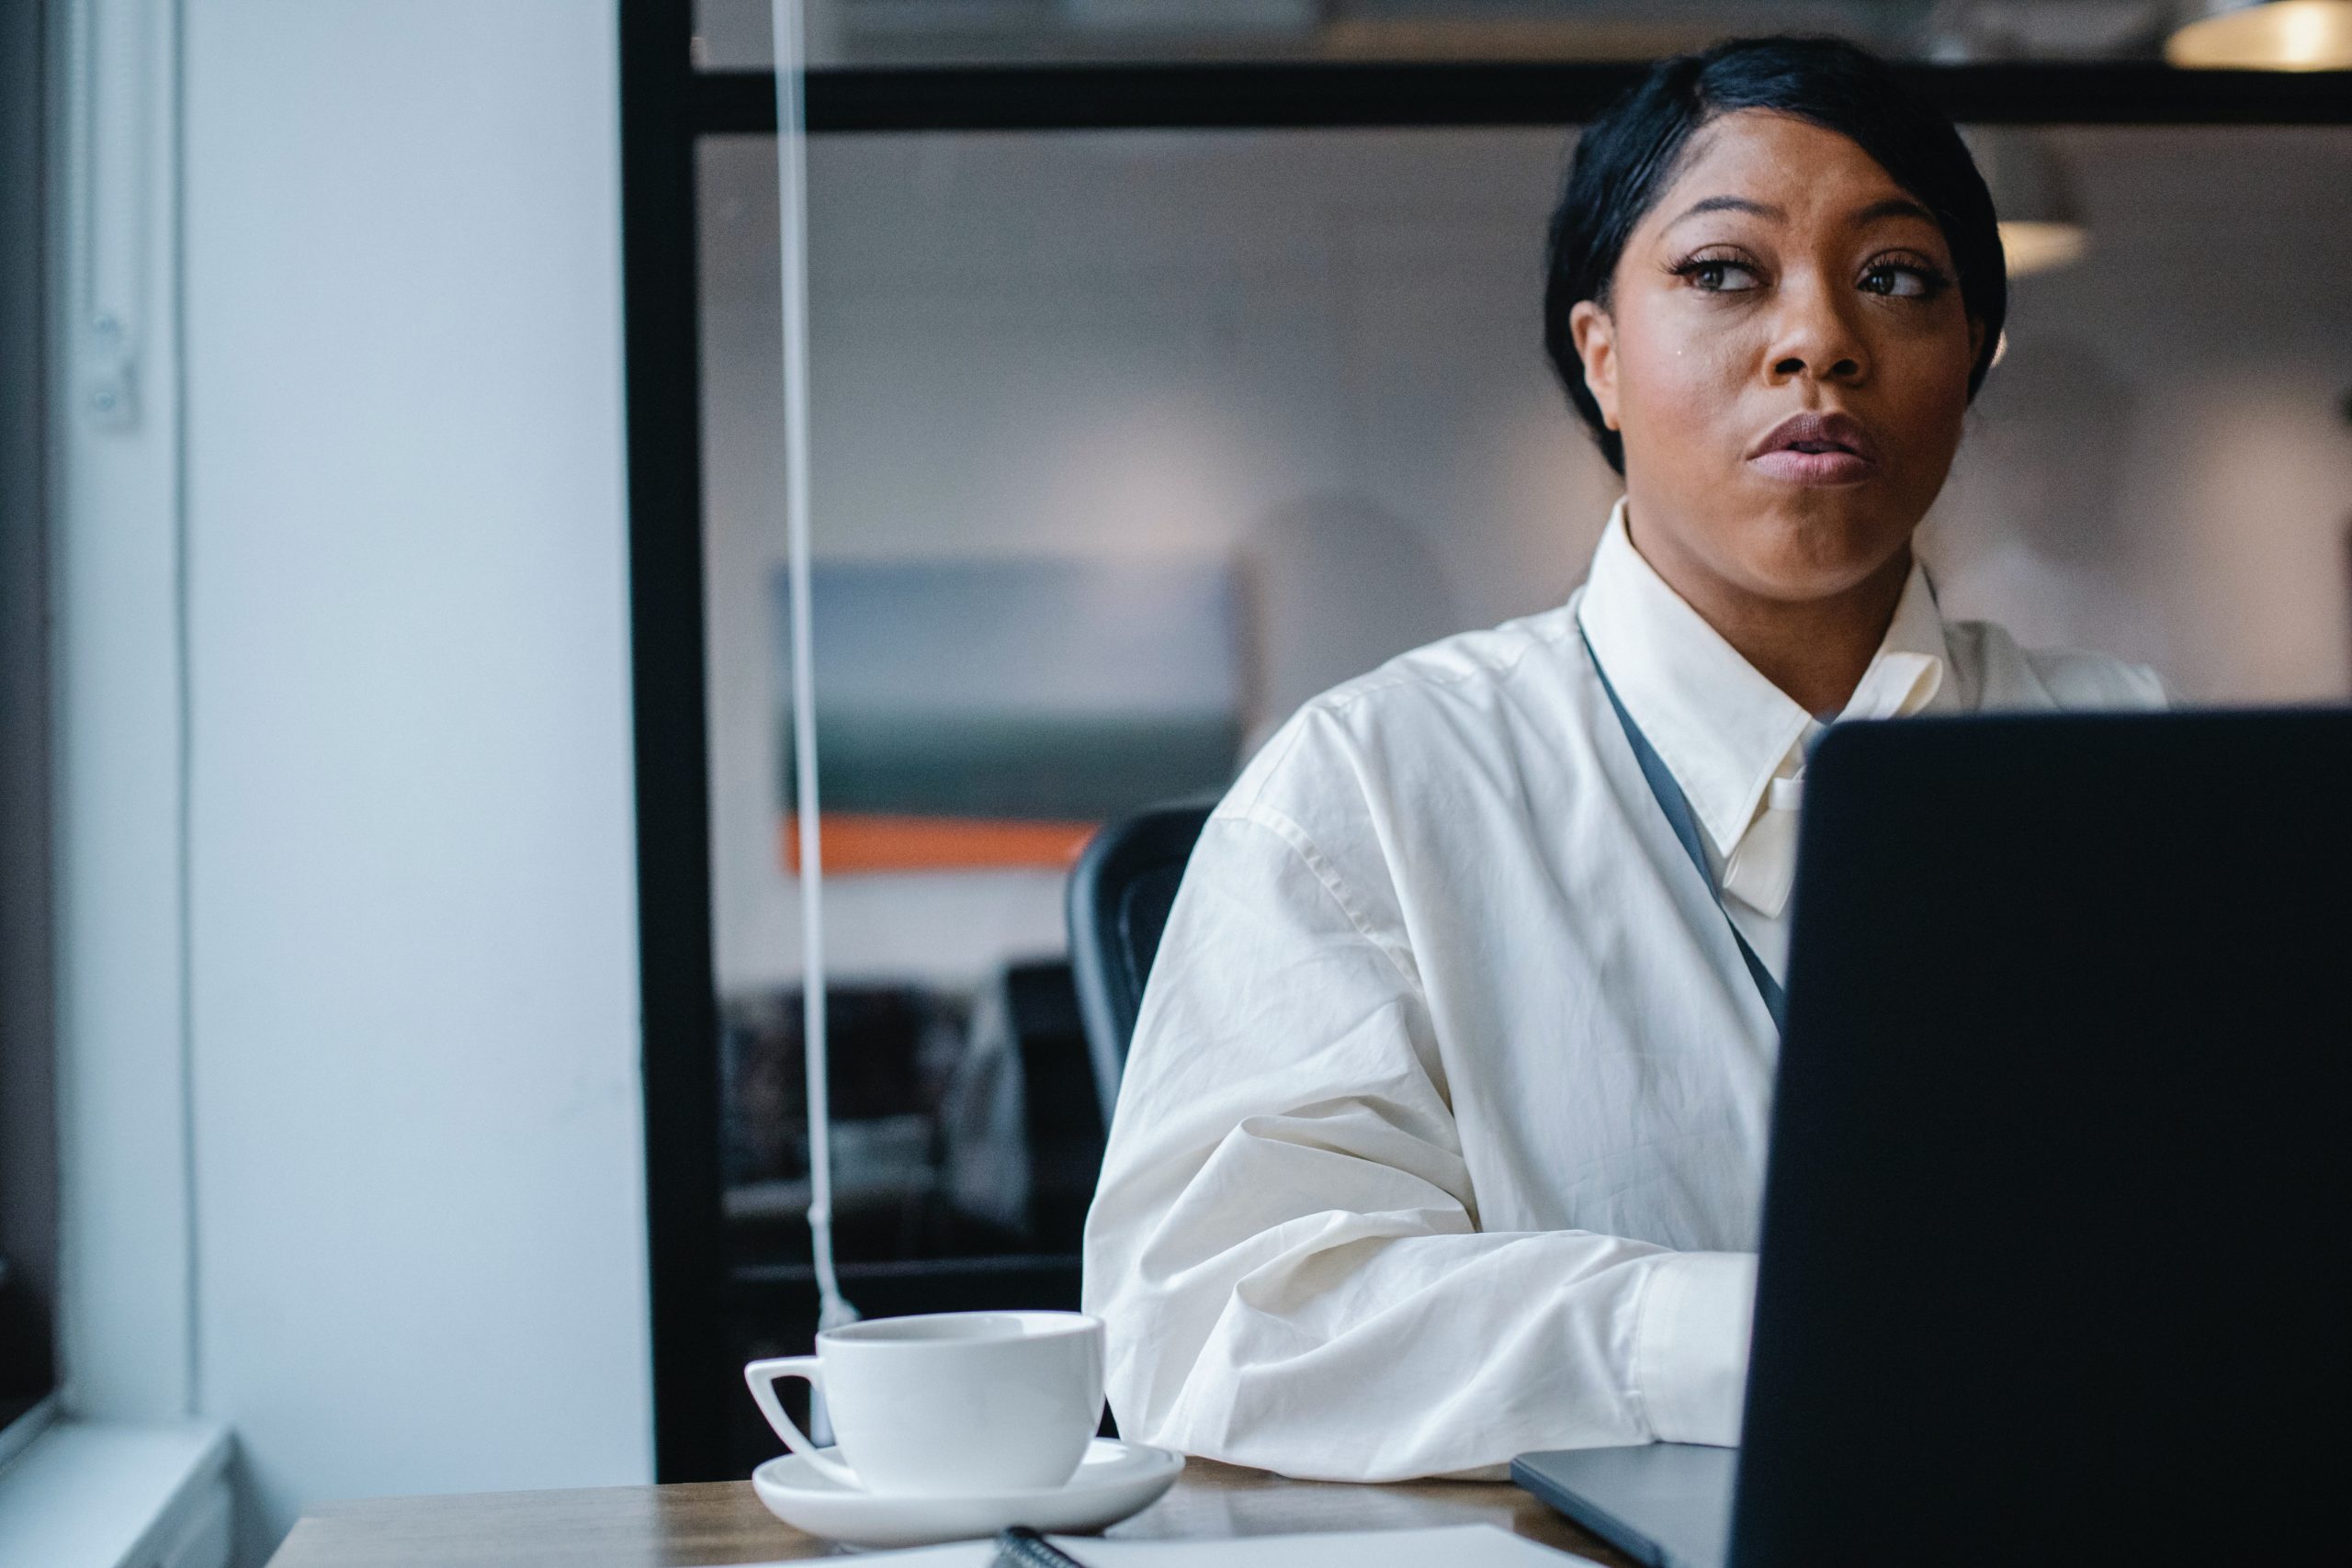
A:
(1126, 444)
(990, 694)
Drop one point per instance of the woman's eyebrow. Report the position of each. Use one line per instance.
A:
(1729, 204)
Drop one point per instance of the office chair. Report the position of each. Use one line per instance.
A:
(1120, 892)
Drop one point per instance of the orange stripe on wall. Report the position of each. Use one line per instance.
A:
(871, 840)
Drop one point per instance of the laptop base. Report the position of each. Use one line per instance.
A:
(1665, 1505)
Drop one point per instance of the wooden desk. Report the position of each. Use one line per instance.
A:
(715, 1522)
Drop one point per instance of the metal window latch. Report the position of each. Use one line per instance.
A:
(109, 379)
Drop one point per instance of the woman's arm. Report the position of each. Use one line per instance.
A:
(1286, 1242)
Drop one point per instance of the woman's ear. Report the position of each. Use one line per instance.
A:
(1595, 336)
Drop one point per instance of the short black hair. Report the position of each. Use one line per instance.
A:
(1626, 158)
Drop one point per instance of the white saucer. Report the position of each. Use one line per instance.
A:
(1113, 1479)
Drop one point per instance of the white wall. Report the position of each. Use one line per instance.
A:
(417, 1129)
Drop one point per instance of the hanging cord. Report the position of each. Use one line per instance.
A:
(792, 216)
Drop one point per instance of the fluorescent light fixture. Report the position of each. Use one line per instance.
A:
(2276, 35)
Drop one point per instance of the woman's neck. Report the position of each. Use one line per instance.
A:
(1814, 650)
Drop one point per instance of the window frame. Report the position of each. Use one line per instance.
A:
(667, 105)
(28, 1145)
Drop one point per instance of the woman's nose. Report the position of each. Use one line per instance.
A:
(1814, 337)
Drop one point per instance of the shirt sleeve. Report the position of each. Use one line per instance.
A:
(1285, 1242)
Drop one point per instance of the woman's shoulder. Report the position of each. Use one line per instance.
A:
(1466, 667)
(2000, 673)
(1439, 706)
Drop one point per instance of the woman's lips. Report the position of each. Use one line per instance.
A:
(1831, 468)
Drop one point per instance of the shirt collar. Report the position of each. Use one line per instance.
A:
(1722, 728)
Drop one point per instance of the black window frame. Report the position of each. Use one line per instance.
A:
(28, 1148)
(666, 106)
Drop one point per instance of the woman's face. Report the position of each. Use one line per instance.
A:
(1783, 273)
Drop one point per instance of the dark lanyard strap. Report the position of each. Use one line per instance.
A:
(1677, 807)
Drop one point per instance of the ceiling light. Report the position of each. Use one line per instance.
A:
(2276, 35)
(2042, 247)
(2041, 226)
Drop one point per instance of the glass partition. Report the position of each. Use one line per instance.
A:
(1127, 442)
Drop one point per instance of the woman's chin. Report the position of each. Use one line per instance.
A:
(1820, 552)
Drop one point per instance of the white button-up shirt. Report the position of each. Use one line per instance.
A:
(1441, 1137)
(1734, 741)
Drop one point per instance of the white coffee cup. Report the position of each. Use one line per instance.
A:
(949, 1404)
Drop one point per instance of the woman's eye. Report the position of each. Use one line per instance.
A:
(1902, 281)
(1720, 274)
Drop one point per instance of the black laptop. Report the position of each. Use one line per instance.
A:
(2057, 1234)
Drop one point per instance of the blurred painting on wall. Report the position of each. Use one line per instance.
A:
(993, 712)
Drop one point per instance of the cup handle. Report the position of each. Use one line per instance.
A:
(762, 1377)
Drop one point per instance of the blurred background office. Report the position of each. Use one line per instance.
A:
(402, 1087)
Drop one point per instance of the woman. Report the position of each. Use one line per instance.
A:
(1442, 1134)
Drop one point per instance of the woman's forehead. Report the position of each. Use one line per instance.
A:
(1782, 169)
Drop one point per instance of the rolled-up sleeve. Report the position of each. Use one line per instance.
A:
(1691, 1348)
(1285, 1243)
